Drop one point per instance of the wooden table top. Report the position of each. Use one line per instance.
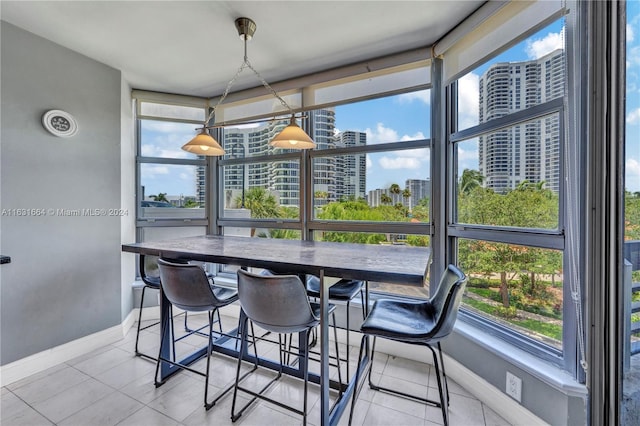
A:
(385, 263)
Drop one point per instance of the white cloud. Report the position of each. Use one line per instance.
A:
(633, 56)
(383, 134)
(634, 116)
(630, 33)
(468, 100)
(150, 171)
(391, 163)
(422, 96)
(150, 150)
(632, 167)
(632, 175)
(537, 48)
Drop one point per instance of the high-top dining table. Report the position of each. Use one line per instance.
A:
(381, 263)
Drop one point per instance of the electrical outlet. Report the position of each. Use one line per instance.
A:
(514, 387)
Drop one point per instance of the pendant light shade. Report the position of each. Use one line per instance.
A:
(292, 137)
(204, 144)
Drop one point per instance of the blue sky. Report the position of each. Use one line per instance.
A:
(633, 97)
(406, 117)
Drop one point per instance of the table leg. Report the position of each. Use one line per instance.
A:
(324, 350)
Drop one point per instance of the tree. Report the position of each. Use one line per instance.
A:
(190, 204)
(527, 206)
(395, 189)
(261, 203)
(162, 196)
(469, 180)
(406, 194)
(385, 199)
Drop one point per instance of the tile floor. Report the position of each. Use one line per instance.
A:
(111, 386)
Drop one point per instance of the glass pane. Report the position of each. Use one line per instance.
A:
(519, 287)
(268, 190)
(511, 177)
(173, 111)
(530, 73)
(251, 140)
(172, 191)
(350, 187)
(382, 238)
(397, 118)
(164, 139)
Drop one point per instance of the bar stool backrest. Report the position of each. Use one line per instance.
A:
(277, 303)
(186, 286)
(446, 301)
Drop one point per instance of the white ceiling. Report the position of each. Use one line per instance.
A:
(193, 48)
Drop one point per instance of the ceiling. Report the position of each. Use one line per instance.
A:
(193, 48)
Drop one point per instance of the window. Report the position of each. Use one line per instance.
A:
(172, 183)
(507, 217)
(369, 177)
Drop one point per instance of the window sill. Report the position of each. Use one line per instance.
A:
(543, 371)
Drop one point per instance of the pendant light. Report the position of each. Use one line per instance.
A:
(291, 137)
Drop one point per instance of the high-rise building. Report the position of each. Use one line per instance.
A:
(334, 178)
(525, 152)
(351, 170)
(419, 189)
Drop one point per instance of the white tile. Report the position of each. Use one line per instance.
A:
(400, 403)
(383, 416)
(36, 376)
(49, 386)
(26, 417)
(181, 400)
(261, 414)
(408, 370)
(127, 372)
(103, 361)
(108, 411)
(72, 400)
(491, 418)
(148, 417)
(10, 406)
(144, 390)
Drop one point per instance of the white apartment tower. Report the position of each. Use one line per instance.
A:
(529, 151)
(351, 170)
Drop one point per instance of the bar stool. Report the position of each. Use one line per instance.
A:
(423, 323)
(279, 304)
(344, 290)
(187, 287)
(150, 282)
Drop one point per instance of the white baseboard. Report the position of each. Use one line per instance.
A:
(41, 361)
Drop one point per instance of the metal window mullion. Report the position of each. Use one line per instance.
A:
(174, 161)
(510, 120)
(529, 239)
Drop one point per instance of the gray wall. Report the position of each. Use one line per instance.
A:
(64, 281)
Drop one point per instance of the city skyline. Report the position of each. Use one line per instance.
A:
(406, 117)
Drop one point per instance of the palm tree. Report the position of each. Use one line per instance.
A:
(470, 180)
(385, 199)
(261, 203)
(162, 196)
(406, 194)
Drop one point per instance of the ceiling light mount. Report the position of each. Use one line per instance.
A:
(246, 28)
(291, 137)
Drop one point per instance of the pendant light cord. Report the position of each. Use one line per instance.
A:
(246, 64)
